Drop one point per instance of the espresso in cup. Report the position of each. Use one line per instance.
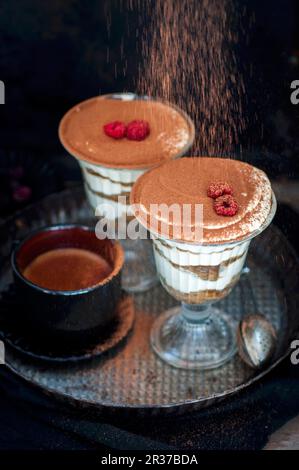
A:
(67, 269)
(69, 284)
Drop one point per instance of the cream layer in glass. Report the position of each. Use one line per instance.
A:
(196, 273)
(106, 185)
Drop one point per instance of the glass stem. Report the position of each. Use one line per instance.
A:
(196, 313)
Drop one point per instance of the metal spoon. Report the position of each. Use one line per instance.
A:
(256, 339)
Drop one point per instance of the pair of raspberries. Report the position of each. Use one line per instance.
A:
(135, 130)
(224, 203)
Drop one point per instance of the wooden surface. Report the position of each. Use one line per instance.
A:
(286, 438)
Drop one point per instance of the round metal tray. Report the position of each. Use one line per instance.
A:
(132, 378)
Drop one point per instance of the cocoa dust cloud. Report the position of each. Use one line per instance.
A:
(187, 54)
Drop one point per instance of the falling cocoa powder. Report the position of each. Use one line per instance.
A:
(188, 57)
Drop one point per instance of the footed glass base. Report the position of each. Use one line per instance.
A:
(203, 338)
(139, 272)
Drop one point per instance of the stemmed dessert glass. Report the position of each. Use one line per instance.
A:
(104, 184)
(197, 334)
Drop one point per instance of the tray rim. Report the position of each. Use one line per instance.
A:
(184, 406)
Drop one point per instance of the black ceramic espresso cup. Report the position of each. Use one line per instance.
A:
(68, 317)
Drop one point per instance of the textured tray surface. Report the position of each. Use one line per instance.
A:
(133, 376)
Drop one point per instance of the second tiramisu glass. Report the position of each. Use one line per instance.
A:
(111, 164)
(209, 211)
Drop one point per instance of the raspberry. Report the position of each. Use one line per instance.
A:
(226, 205)
(138, 130)
(115, 129)
(219, 189)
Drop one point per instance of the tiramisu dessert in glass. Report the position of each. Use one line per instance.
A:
(115, 139)
(202, 213)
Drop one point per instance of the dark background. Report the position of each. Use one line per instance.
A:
(55, 54)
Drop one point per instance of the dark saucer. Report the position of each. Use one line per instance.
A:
(36, 349)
